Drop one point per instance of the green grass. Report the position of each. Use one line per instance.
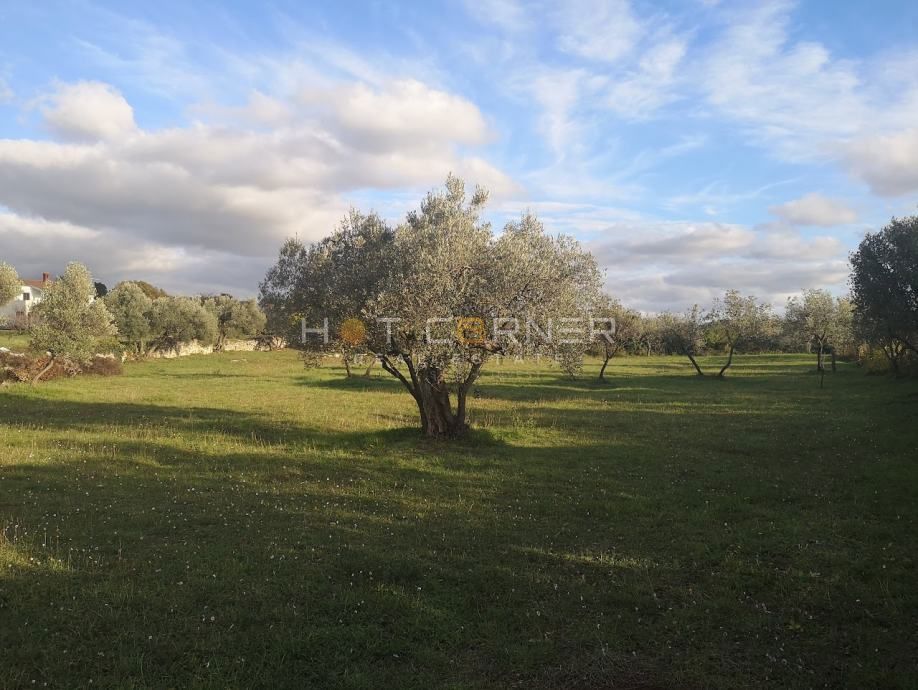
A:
(14, 340)
(235, 521)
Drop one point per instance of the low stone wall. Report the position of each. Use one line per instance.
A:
(196, 348)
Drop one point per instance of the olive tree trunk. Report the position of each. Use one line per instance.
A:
(44, 371)
(694, 363)
(726, 366)
(431, 393)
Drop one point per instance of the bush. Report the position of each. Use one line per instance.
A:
(22, 368)
(876, 363)
(104, 365)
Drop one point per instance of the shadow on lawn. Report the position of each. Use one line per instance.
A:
(181, 562)
(285, 555)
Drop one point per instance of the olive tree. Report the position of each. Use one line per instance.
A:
(71, 322)
(10, 285)
(439, 295)
(456, 295)
(177, 320)
(130, 307)
(818, 319)
(734, 320)
(684, 334)
(884, 281)
(235, 318)
(624, 330)
(335, 279)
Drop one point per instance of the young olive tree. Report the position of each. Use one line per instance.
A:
(820, 320)
(735, 320)
(624, 330)
(131, 309)
(71, 322)
(684, 334)
(884, 281)
(235, 318)
(10, 285)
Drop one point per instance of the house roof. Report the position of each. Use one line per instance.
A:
(35, 283)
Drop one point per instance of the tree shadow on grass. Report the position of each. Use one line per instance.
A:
(167, 565)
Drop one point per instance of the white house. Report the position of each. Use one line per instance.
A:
(16, 312)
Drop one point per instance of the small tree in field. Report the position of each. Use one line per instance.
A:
(235, 318)
(684, 334)
(71, 323)
(735, 320)
(627, 330)
(10, 285)
(820, 320)
(130, 307)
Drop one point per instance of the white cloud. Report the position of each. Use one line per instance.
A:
(657, 265)
(647, 87)
(6, 92)
(888, 163)
(405, 113)
(510, 15)
(815, 209)
(600, 30)
(167, 198)
(796, 98)
(87, 111)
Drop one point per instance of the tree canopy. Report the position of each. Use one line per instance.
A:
(235, 318)
(10, 285)
(130, 307)
(70, 322)
(884, 282)
(440, 294)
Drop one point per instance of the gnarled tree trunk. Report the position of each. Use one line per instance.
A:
(431, 393)
(43, 371)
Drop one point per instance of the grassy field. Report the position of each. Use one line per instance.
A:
(235, 521)
(13, 340)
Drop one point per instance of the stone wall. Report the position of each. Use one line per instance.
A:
(196, 348)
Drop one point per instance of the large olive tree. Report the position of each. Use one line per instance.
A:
(884, 281)
(457, 295)
(438, 296)
(70, 321)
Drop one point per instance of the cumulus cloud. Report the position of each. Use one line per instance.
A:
(815, 209)
(160, 200)
(88, 110)
(888, 163)
(657, 265)
(796, 97)
(406, 113)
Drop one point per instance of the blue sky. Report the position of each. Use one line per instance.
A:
(694, 146)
